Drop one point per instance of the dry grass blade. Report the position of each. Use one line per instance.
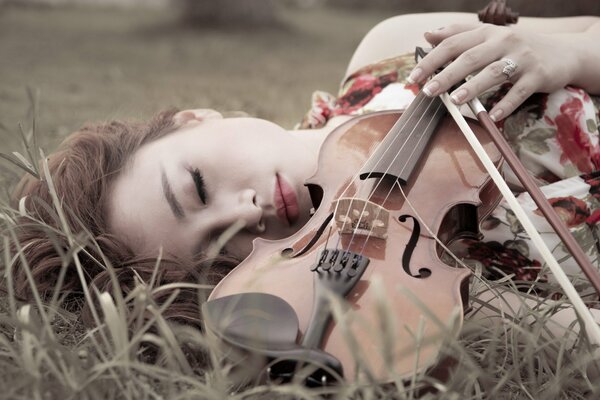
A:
(31, 141)
(514, 354)
(29, 165)
(20, 162)
(66, 230)
(117, 326)
(8, 276)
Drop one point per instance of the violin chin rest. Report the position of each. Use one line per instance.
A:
(266, 325)
(255, 320)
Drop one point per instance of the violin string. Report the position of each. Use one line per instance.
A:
(376, 186)
(397, 182)
(398, 127)
(391, 145)
(374, 189)
(448, 251)
(325, 246)
(476, 272)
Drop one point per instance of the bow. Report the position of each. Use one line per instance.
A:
(498, 13)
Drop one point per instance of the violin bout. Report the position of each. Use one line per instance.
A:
(368, 293)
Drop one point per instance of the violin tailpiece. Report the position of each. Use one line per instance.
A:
(336, 272)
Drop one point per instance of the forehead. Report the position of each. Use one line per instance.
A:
(227, 126)
(213, 133)
(210, 141)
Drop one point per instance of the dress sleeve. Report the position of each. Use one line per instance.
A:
(376, 87)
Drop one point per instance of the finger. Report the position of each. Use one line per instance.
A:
(442, 54)
(520, 92)
(487, 78)
(467, 63)
(438, 35)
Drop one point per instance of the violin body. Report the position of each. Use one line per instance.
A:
(396, 318)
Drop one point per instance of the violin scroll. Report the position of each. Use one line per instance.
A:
(498, 13)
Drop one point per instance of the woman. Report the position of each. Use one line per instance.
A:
(194, 189)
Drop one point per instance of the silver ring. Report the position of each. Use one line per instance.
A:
(509, 68)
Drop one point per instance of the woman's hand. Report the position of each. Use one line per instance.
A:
(544, 63)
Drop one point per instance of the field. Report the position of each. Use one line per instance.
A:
(63, 67)
(95, 65)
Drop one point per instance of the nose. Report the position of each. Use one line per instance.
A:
(249, 211)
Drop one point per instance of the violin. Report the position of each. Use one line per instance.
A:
(381, 179)
(361, 293)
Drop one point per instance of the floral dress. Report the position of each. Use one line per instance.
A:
(555, 136)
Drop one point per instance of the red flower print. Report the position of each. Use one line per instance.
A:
(596, 160)
(496, 96)
(571, 210)
(363, 89)
(413, 87)
(593, 180)
(495, 256)
(549, 121)
(594, 218)
(573, 141)
(576, 90)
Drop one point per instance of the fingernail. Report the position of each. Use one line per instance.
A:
(436, 30)
(496, 115)
(415, 76)
(431, 88)
(458, 96)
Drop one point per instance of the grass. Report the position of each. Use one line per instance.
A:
(89, 65)
(104, 64)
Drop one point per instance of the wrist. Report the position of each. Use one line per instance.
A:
(582, 57)
(567, 57)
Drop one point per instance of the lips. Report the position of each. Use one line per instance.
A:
(285, 201)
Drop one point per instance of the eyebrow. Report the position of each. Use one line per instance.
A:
(170, 196)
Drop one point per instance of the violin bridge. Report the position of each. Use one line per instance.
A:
(362, 217)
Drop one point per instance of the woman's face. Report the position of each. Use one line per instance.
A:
(185, 189)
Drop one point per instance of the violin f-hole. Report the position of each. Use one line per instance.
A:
(288, 252)
(410, 248)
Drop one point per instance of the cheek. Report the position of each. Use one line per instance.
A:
(146, 232)
(173, 240)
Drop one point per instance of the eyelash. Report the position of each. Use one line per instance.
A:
(200, 186)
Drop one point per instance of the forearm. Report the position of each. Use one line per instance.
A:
(557, 25)
(586, 49)
(577, 39)
(400, 34)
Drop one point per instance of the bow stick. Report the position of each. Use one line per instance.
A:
(590, 325)
(498, 13)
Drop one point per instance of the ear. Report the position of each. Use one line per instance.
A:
(196, 115)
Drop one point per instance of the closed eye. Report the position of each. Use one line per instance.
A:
(200, 185)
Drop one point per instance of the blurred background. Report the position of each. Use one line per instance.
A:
(97, 60)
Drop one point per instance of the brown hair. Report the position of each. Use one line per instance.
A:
(82, 171)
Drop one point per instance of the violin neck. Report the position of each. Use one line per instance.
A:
(398, 154)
